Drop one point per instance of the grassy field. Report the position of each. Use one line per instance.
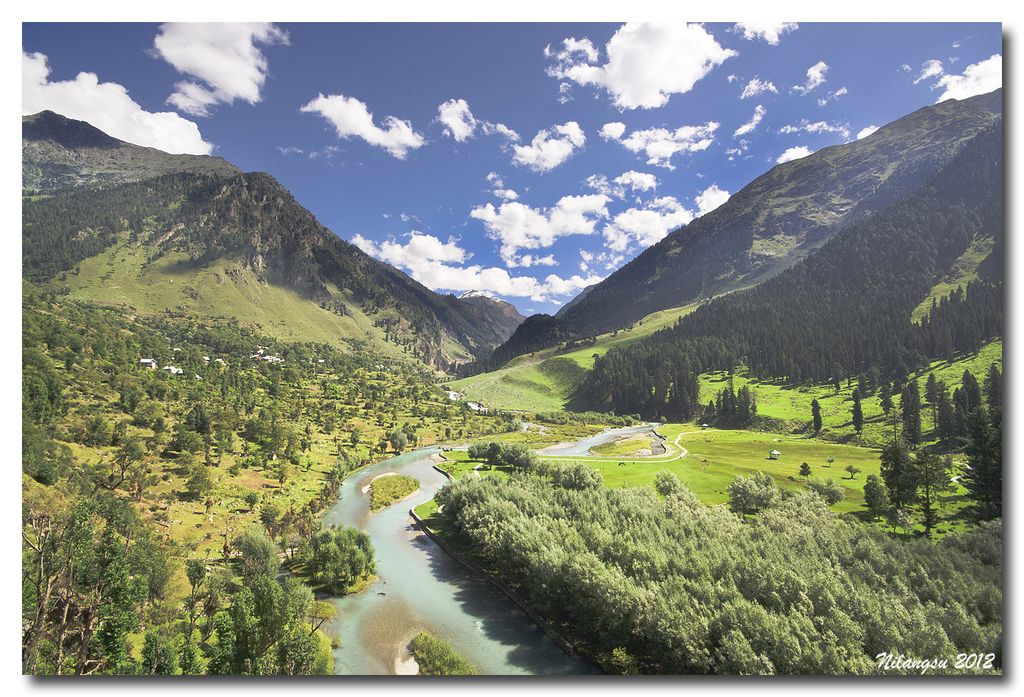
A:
(707, 460)
(546, 380)
(385, 491)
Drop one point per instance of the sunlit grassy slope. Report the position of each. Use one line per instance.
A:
(124, 274)
(546, 380)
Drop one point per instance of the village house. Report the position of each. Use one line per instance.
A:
(774, 454)
(149, 363)
(174, 370)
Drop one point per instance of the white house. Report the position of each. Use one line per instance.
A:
(774, 454)
(149, 363)
(173, 370)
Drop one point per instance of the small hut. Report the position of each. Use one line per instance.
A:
(774, 454)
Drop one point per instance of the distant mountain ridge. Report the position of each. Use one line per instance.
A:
(114, 222)
(59, 153)
(768, 226)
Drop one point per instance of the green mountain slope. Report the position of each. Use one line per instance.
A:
(774, 222)
(215, 241)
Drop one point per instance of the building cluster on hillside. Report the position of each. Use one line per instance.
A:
(262, 355)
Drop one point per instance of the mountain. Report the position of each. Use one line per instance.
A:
(501, 316)
(869, 302)
(120, 224)
(59, 153)
(771, 224)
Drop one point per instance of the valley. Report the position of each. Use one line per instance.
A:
(761, 426)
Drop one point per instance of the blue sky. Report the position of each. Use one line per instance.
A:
(527, 160)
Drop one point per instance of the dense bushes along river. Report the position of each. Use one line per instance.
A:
(669, 585)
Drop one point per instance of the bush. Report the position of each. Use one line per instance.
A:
(827, 489)
(436, 657)
(752, 494)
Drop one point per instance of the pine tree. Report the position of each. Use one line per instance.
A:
(994, 387)
(898, 473)
(932, 473)
(984, 478)
(858, 412)
(815, 416)
(910, 405)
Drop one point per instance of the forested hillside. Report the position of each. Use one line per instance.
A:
(843, 310)
(777, 220)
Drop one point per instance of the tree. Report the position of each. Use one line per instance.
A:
(931, 394)
(337, 558)
(994, 388)
(805, 470)
(195, 569)
(897, 471)
(932, 472)
(876, 495)
(910, 406)
(815, 416)
(885, 398)
(158, 655)
(852, 470)
(199, 485)
(858, 413)
(984, 476)
(257, 554)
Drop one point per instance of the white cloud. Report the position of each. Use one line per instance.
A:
(607, 260)
(637, 181)
(437, 265)
(107, 106)
(660, 144)
(460, 124)
(350, 117)
(710, 199)
(866, 131)
(929, 69)
(794, 153)
(548, 149)
(528, 260)
(977, 78)
(458, 121)
(518, 226)
(224, 56)
(613, 130)
(739, 149)
(769, 31)
(834, 94)
(571, 49)
(816, 127)
(758, 86)
(755, 119)
(815, 77)
(647, 225)
(904, 68)
(631, 179)
(647, 63)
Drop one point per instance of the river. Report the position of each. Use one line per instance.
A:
(422, 588)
